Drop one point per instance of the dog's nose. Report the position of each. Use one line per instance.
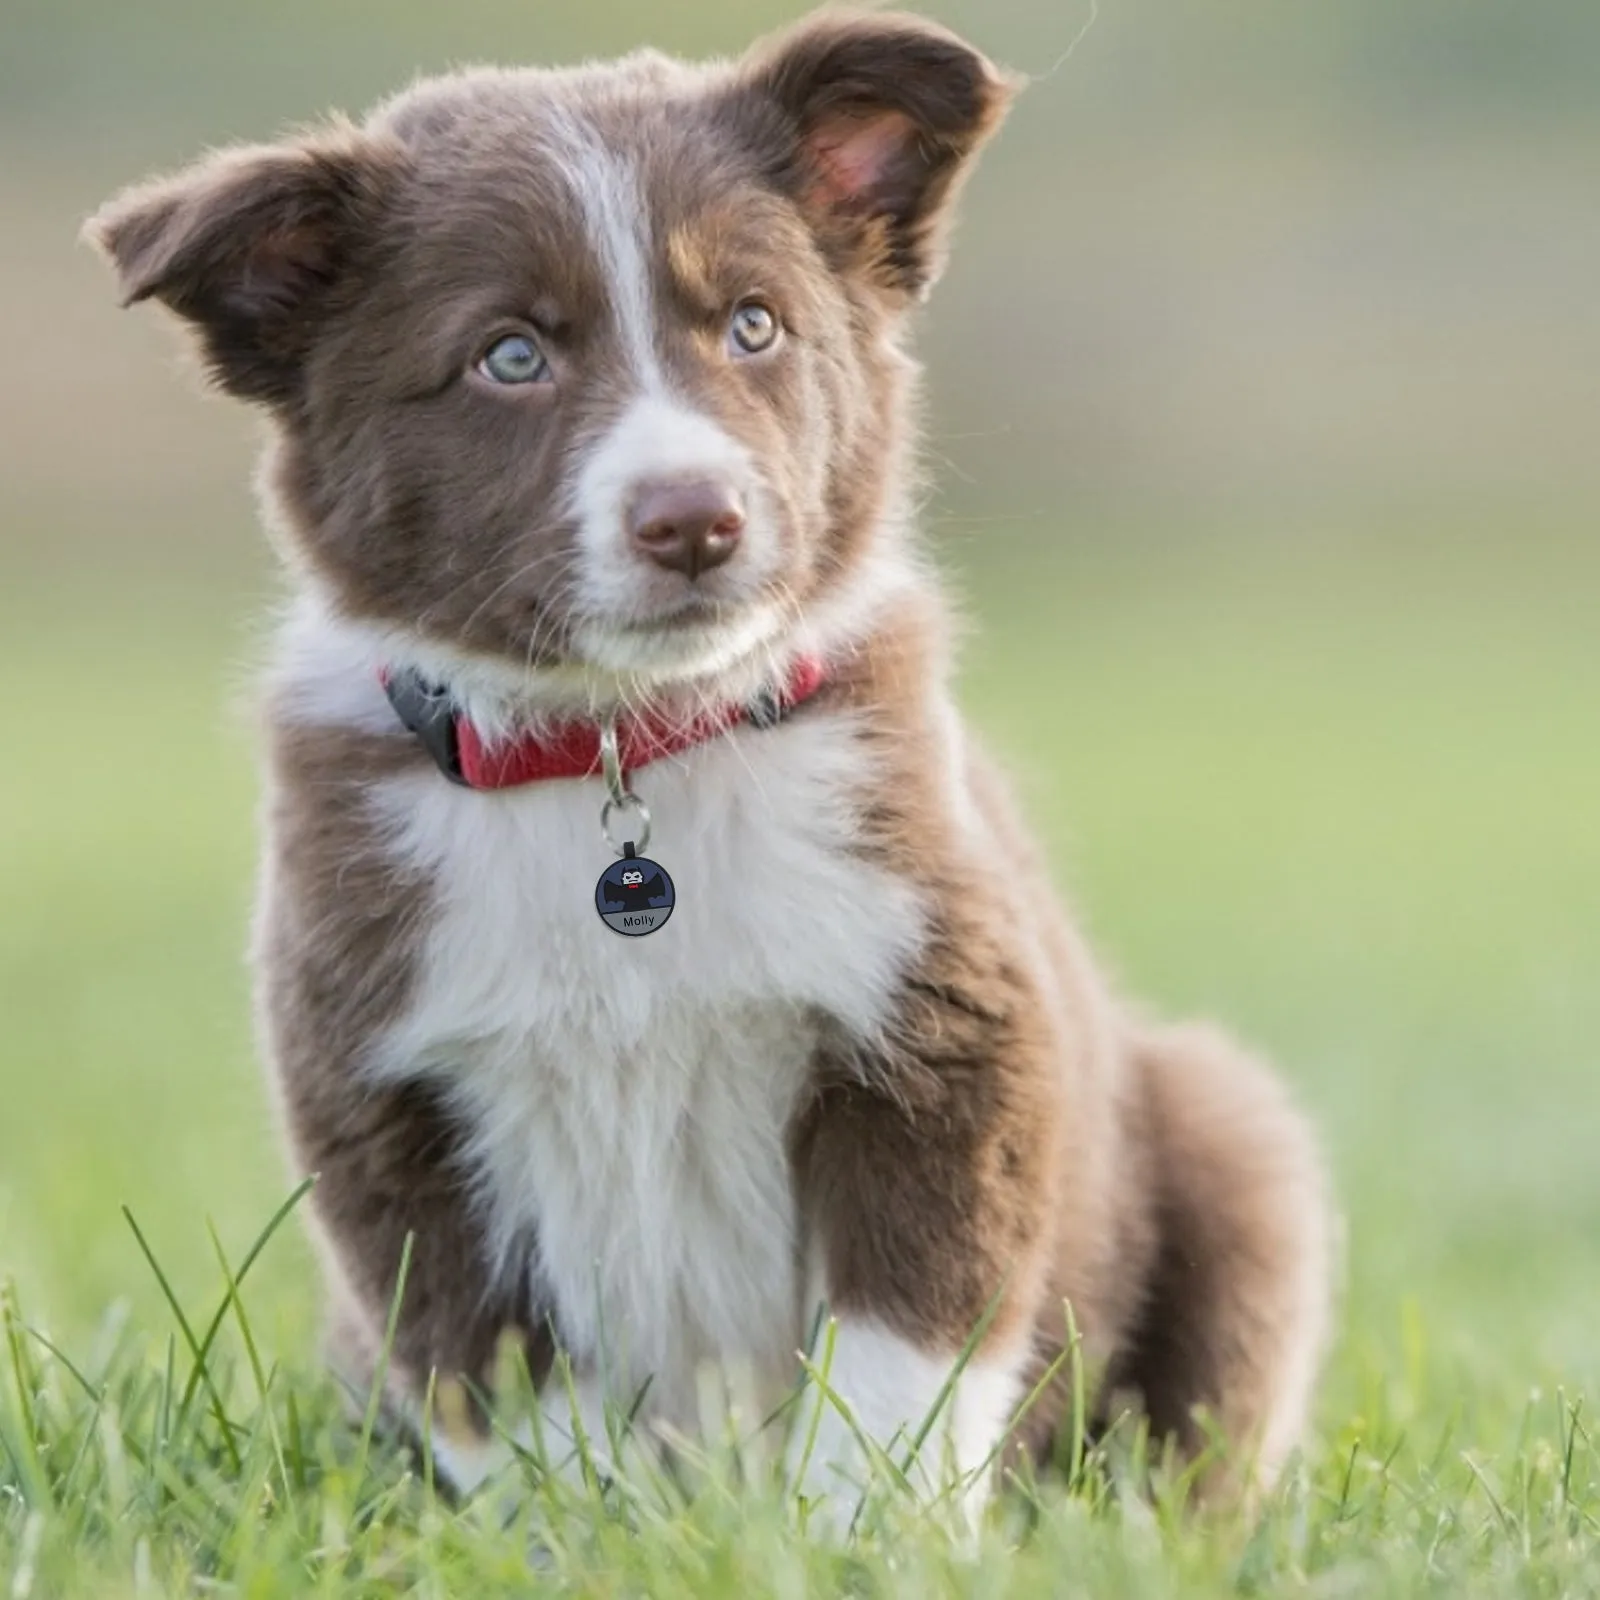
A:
(687, 527)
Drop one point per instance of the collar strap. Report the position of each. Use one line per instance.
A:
(572, 749)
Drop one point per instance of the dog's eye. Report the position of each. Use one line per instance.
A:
(754, 328)
(514, 359)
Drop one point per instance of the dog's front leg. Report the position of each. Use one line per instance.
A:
(923, 1181)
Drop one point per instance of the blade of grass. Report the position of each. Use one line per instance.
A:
(200, 1365)
(830, 1337)
(297, 1444)
(1080, 1399)
(1030, 1400)
(253, 1356)
(380, 1376)
(69, 1482)
(25, 1450)
(878, 1460)
(161, 1415)
(948, 1388)
(214, 1327)
(427, 1436)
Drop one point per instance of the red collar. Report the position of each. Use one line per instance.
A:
(572, 749)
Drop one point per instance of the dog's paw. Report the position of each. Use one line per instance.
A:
(882, 1417)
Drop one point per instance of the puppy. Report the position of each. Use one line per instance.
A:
(590, 457)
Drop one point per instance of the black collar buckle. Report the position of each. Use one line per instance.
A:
(428, 712)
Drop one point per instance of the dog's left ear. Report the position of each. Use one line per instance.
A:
(878, 117)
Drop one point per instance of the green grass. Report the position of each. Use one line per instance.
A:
(1342, 792)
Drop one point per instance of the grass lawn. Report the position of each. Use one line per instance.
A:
(1343, 793)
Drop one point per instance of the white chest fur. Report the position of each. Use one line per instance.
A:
(628, 1099)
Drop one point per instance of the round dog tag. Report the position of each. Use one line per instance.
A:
(634, 895)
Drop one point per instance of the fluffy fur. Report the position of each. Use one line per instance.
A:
(860, 1068)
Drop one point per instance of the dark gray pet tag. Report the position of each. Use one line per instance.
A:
(634, 895)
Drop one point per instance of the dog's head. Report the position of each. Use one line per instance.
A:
(594, 367)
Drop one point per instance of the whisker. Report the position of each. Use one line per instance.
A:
(525, 570)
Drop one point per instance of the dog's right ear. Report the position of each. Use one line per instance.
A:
(247, 246)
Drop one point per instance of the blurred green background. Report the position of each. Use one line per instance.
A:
(1263, 399)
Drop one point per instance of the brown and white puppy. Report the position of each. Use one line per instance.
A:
(590, 394)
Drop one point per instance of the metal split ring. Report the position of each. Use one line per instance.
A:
(619, 796)
(641, 834)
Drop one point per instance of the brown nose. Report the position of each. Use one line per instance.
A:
(687, 527)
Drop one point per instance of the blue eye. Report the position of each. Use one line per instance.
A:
(515, 359)
(753, 328)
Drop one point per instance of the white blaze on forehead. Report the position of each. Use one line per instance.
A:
(656, 436)
(610, 194)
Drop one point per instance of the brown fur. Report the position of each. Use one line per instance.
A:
(1016, 1136)
(1009, 1140)
(336, 946)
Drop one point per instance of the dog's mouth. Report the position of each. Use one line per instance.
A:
(697, 637)
(697, 610)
